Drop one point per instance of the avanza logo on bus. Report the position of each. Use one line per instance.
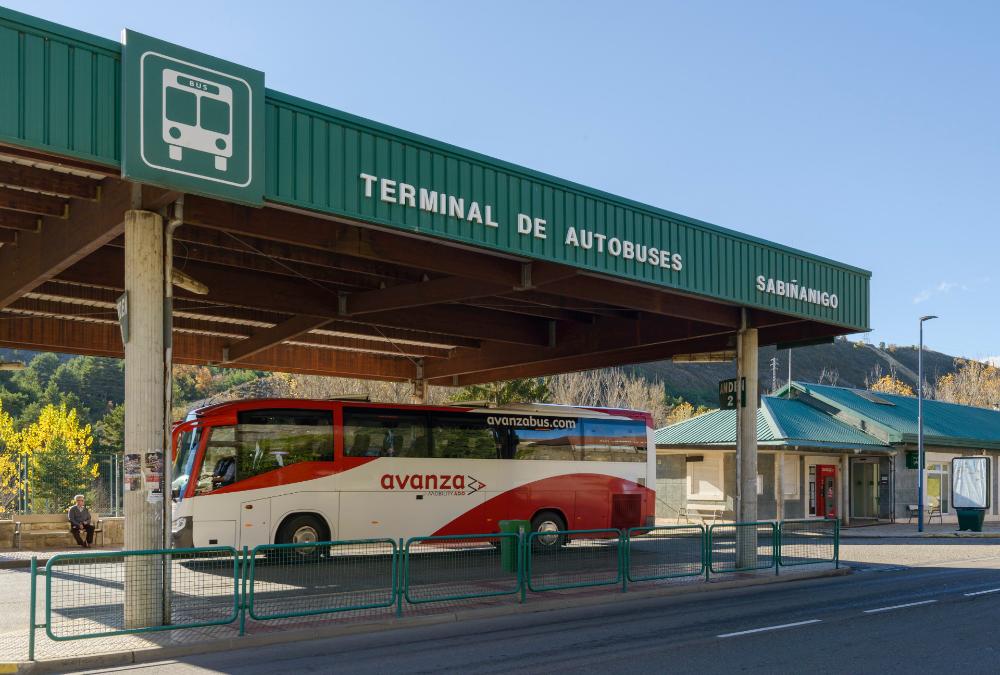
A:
(433, 482)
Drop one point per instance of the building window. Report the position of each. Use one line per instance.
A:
(789, 468)
(705, 479)
(939, 486)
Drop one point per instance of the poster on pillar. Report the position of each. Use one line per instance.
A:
(191, 122)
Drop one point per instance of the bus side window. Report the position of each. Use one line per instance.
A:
(613, 441)
(463, 438)
(373, 433)
(274, 439)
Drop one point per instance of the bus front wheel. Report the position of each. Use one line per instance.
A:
(303, 529)
(546, 522)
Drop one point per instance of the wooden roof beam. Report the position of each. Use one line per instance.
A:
(18, 220)
(643, 298)
(56, 182)
(407, 296)
(269, 337)
(314, 231)
(61, 243)
(32, 202)
(104, 339)
(289, 295)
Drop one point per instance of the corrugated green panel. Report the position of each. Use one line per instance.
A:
(316, 157)
(60, 92)
(59, 89)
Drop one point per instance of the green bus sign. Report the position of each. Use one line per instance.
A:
(191, 122)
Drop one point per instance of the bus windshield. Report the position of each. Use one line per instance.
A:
(187, 449)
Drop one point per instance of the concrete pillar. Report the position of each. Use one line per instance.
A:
(146, 416)
(418, 396)
(746, 446)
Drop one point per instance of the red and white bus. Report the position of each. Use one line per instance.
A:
(293, 471)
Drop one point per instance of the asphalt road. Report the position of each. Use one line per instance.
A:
(884, 618)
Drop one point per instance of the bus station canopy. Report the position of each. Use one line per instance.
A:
(350, 248)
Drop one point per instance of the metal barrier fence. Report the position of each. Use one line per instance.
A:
(573, 559)
(742, 547)
(85, 593)
(291, 580)
(461, 567)
(807, 542)
(666, 552)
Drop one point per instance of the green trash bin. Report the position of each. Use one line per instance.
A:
(971, 519)
(509, 545)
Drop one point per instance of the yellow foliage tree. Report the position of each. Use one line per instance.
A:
(10, 461)
(974, 383)
(58, 450)
(887, 384)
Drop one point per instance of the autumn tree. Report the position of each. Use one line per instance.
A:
(58, 450)
(888, 384)
(10, 462)
(974, 383)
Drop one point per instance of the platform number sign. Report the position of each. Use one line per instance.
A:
(729, 394)
(191, 122)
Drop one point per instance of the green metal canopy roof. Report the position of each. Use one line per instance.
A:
(780, 422)
(61, 93)
(895, 416)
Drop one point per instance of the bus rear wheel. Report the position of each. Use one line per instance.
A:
(303, 529)
(547, 522)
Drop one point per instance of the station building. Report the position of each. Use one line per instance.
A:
(825, 451)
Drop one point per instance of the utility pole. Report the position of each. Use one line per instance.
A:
(789, 394)
(774, 373)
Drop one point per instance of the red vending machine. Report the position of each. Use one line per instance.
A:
(826, 490)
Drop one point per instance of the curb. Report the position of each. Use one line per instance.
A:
(925, 535)
(153, 654)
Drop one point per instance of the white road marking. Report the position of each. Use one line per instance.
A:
(767, 628)
(908, 604)
(992, 590)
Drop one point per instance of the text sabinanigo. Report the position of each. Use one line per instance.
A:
(792, 289)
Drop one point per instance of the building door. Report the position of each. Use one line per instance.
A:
(826, 490)
(864, 489)
(938, 486)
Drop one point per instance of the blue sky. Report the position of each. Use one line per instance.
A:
(867, 132)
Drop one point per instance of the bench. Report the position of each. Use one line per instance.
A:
(931, 510)
(48, 530)
(701, 511)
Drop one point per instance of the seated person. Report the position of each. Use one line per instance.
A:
(224, 473)
(79, 521)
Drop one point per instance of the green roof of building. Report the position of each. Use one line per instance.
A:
(780, 422)
(945, 424)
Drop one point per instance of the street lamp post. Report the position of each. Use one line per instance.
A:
(920, 426)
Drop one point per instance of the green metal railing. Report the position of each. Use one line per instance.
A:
(574, 559)
(742, 547)
(665, 552)
(809, 541)
(85, 593)
(293, 580)
(461, 567)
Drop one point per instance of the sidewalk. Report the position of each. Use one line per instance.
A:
(13, 558)
(991, 530)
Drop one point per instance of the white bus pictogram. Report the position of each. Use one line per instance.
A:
(197, 115)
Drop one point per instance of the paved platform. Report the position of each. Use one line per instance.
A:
(909, 530)
(12, 558)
